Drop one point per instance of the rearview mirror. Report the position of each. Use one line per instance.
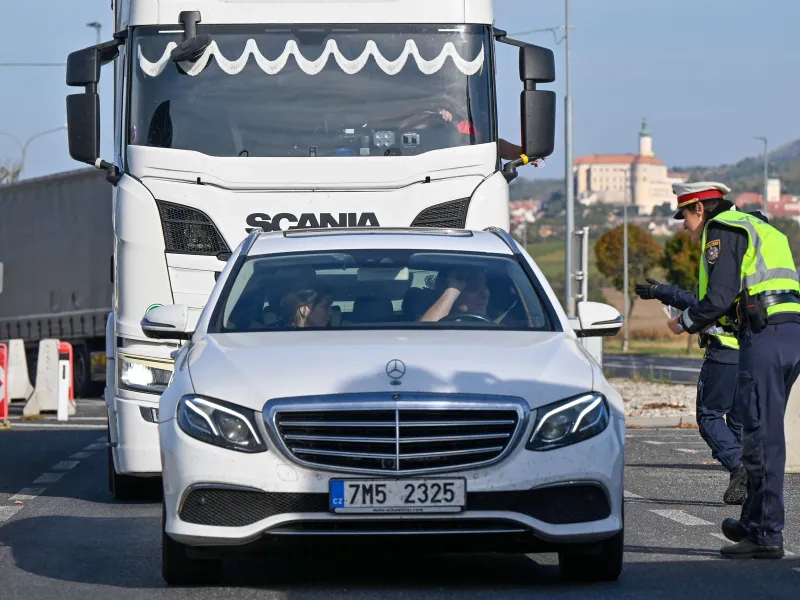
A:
(537, 107)
(170, 322)
(83, 126)
(598, 320)
(83, 67)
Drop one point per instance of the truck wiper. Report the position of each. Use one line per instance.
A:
(193, 45)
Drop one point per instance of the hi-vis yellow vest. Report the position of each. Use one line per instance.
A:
(767, 265)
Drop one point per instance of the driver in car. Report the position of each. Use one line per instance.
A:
(466, 292)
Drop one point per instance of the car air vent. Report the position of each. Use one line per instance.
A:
(401, 440)
(450, 215)
(189, 231)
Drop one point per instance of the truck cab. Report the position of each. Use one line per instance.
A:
(232, 115)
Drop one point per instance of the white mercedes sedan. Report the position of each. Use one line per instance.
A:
(394, 387)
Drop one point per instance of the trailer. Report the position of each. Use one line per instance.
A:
(56, 244)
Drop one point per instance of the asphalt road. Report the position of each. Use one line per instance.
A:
(658, 368)
(63, 538)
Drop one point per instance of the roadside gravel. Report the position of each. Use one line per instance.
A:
(648, 399)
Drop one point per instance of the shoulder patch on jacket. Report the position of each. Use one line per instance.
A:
(712, 251)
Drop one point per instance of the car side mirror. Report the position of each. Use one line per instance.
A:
(170, 322)
(598, 320)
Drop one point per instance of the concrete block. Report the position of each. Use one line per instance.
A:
(45, 395)
(19, 384)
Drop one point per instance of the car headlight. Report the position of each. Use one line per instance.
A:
(569, 421)
(144, 375)
(219, 423)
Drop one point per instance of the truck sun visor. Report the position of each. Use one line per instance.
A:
(313, 67)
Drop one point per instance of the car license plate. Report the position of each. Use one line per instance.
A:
(397, 495)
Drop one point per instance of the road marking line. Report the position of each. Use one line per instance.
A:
(26, 494)
(48, 478)
(101, 439)
(80, 455)
(655, 367)
(66, 465)
(719, 536)
(681, 517)
(96, 446)
(796, 569)
(51, 418)
(654, 443)
(627, 494)
(686, 450)
(65, 426)
(6, 512)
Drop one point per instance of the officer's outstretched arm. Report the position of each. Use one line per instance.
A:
(723, 256)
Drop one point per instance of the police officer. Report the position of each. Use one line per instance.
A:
(716, 385)
(748, 279)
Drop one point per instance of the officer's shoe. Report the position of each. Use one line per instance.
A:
(737, 488)
(749, 549)
(733, 530)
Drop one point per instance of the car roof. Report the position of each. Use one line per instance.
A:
(383, 238)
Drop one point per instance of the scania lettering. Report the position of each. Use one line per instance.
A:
(236, 114)
(310, 221)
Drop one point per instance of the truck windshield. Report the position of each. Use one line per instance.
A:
(306, 91)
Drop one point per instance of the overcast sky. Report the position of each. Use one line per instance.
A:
(708, 75)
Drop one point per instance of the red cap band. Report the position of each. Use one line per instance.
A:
(697, 197)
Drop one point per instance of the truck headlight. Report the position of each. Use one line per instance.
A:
(569, 421)
(143, 375)
(220, 424)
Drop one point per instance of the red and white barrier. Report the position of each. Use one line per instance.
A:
(53, 392)
(4, 422)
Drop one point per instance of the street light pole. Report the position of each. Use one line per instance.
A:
(766, 174)
(97, 27)
(568, 178)
(24, 146)
(625, 299)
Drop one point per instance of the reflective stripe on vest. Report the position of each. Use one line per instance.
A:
(767, 264)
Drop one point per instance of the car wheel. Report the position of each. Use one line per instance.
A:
(127, 487)
(178, 568)
(598, 562)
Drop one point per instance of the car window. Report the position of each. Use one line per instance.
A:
(379, 289)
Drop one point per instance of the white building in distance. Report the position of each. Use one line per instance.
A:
(642, 179)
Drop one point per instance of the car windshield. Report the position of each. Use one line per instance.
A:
(308, 91)
(379, 289)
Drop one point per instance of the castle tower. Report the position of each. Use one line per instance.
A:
(645, 140)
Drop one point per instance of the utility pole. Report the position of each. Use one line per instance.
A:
(766, 174)
(23, 146)
(625, 299)
(97, 27)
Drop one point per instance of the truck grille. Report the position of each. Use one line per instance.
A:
(189, 231)
(451, 215)
(400, 437)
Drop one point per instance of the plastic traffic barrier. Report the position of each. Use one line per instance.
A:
(49, 379)
(4, 422)
(19, 384)
(66, 393)
(792, 429)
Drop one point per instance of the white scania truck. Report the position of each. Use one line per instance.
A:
(280, 114)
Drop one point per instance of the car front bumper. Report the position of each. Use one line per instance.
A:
(220, 498)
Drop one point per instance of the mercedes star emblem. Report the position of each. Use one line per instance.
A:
(395, 369)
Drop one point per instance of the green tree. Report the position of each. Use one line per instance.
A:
(664, 210)
(791, 229)
(644, 255)
(682, 263)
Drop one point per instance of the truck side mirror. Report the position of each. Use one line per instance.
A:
(83, 67)
(83, 123)
(537, 107)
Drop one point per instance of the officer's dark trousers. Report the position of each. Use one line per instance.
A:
(769, 363)
(716, 389)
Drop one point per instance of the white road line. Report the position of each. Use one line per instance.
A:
(6, 512)
(102, 439)
(655, 367)
(80, 455)
(66, 465)
(35, 425)
(719, 536)
(26, 494)
(686, 450)
(654, 443)
(627, 494)
(681, 517)
(96, 446)
(48, 478)
(50, 418)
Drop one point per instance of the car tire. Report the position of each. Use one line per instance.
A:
(128, 487)
(179, 569)
(595, 563)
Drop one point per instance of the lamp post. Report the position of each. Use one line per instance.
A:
(97, 27)
(625, 299)
(23, 146)
(766, 173)
(569, 183)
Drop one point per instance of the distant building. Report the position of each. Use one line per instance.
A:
(642, 178)
(778, 204)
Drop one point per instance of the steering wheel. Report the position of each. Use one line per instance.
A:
(468, 317)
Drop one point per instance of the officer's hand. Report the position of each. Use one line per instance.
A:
(649, 290)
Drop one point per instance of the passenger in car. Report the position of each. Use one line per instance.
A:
(306, 309)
